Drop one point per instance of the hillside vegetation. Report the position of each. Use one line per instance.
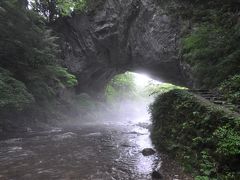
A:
(211, 44)
(31, 77)
(210, 40)
(204, 137)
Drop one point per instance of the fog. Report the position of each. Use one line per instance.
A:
(121, 111)
(105, 141)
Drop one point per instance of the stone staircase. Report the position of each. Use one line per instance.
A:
(215, 98)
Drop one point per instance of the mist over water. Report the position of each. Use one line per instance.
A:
(103, 144)
(123, 110)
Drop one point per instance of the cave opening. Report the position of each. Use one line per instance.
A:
(128, 95)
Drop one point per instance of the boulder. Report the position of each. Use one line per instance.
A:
(148, 151)
(156, 175)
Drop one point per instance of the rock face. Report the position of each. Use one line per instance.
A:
(156, 175)
(148, 152)
(119, 36)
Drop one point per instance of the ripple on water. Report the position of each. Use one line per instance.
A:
(64, 136)
(13, 140)
(98, 152)
(15, 148)
(92, 134)
(55, 130)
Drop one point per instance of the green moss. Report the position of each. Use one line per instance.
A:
(203, 136)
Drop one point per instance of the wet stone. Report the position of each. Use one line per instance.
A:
(148, 152)
(156, 175)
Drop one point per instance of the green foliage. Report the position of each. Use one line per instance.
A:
(156, 89)
(62, 76)
(13, 93)
(231, 89)
(24, 39)
(48, 82)
(201, 178)
(52, 9)
(204, 137)
(29, 51)
(207, 166)
(213, 53)
(228, 140)
(84, 101)
(210, 41)
(121, 87)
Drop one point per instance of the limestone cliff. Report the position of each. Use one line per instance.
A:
(118, 36)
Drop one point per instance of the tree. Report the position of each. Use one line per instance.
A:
(29, 52)
(52, 9)
(121, 87)
(25, 40)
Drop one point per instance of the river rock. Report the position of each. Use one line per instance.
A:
(156, 175)
(148, 152)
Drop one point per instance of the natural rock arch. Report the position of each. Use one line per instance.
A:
(119, 36)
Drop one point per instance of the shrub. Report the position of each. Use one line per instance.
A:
(28, 49)
(213, 53)
(231, 89)
(201, 135)
(46, 83)
(13, 93)
(121, 87)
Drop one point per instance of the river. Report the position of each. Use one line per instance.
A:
(91, 150)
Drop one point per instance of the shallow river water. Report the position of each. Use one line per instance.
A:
(105, 150)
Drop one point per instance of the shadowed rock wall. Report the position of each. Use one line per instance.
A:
(119, 36)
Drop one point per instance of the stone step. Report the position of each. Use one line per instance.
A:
(230, 106)
(218, 98)
(208, 98)
(199, 90)
(207, 92)
(215, 98)
(219, 102)
(211, 97)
